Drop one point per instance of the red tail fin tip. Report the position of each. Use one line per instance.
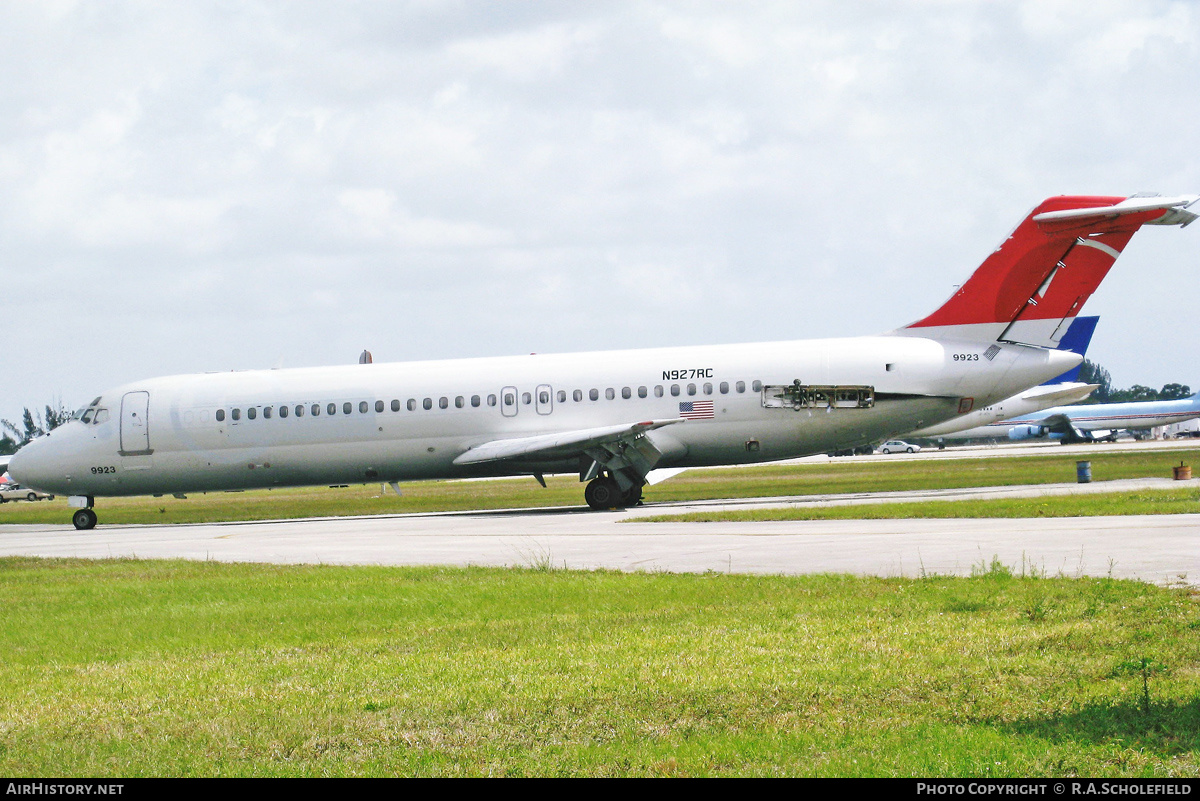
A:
(1031, 287)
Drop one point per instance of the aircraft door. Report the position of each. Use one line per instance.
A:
(508, 402)
(135, 424)
(544, 399)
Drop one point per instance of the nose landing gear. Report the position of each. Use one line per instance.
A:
(84, 519)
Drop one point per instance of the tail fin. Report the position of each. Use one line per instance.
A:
(1031, 287)
(1076, 340)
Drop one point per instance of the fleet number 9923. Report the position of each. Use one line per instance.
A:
(98, 470)
(966, 357)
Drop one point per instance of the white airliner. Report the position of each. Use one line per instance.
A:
(610, 416)
(992, 421)
(1096, 421)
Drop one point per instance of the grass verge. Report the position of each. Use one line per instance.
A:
(753, 482)
(128, 668)
(1148, 502)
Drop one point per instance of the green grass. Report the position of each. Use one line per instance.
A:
(762, 481)
(1149, 502)
(128, 668)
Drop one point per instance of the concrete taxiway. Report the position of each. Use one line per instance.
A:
(1160, 549)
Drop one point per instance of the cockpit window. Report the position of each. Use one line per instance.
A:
(101, 416)
(87, 416)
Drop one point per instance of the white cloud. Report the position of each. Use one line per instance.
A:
(226, 185)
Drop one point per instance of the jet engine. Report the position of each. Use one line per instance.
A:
(1026, 432)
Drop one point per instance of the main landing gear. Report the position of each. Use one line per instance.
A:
(605, 493)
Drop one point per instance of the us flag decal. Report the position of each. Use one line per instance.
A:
(697, 410)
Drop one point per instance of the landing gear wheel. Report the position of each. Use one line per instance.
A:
(84, 519)
(603, 493)
(634, 496)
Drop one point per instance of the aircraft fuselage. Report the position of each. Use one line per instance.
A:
(408, 421)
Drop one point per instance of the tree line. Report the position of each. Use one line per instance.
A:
(14, 436)
(1092, 373)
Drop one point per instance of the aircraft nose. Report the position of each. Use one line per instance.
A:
(30, 467)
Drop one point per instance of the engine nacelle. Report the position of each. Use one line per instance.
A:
(1026, 432)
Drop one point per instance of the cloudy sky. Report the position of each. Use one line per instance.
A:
(227, 185)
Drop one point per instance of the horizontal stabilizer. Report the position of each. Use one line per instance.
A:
(1176, 208)
(557, 446)
(1059, 394)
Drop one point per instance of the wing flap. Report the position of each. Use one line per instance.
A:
(558, 445)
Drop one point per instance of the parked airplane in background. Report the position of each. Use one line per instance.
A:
(1055, 392)
(611, 416)
(1091, 422)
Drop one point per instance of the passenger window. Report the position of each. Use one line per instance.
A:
(526, 398)
(577, 395)
(691, 389)
(756, 386)
(475, 401)
(395, 405)
(427, 404)
(347, 407)
(266, 412)
(459, 402)
(283, 411)
(509, 399)
(610, 393)
(658, 391)
(708, 389)
(412, 404)
(378, 406)
(626, 393)
(251, 413)
(443, 402)
(724, 387)
(299, 411)
(236, 414)
(642, 392)
(543, 397)
(316, 410)
(562, 396)
(594, 394)
(740, 386)
(491, 400)
(331, 408)
(220, 415)
(674, 390)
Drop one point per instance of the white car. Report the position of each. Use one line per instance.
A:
(15, 492)
(898, 446)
